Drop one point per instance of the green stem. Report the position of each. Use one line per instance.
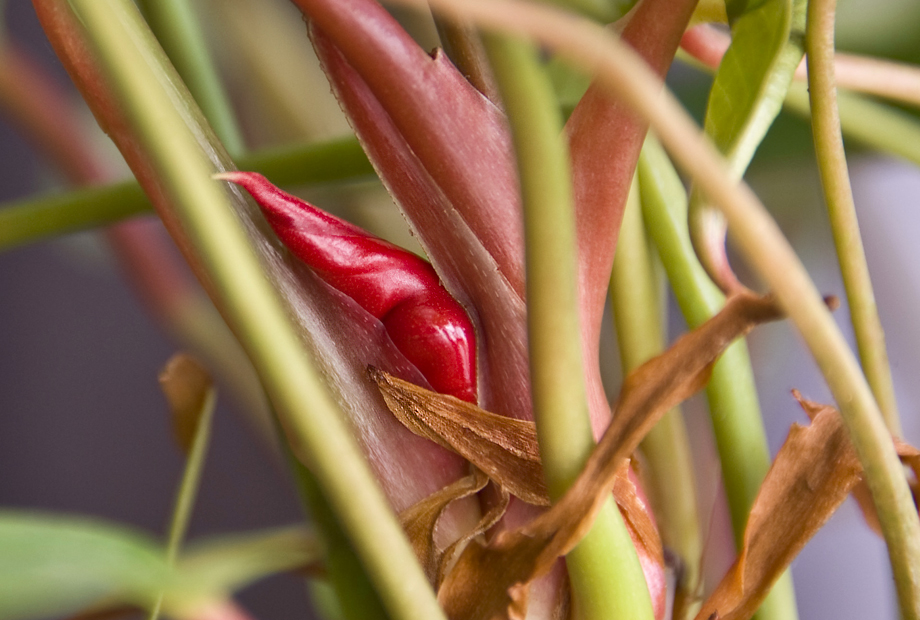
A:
(832, 165)
(188, 487)
(607, 580)
(638, 314)
(313, 423)
(732, 394)
(39, 218)
(176, 26)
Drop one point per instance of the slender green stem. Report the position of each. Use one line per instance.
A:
(607, 580)
(188, 487)
(832, 164)
(638, 314)
(191, 478)
(313, 423)
(176, 26)
(734, 406)
(39, 218)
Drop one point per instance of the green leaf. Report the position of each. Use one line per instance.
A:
(751, 83)
(60, 564)
(53, 565)
(232, 562)
(746, 97)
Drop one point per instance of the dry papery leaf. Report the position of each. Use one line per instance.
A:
(421, 521)
(909, 455)
(185, 383)
(812, 474)
(492, 580)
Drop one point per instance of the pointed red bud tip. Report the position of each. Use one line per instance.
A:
(397, 287)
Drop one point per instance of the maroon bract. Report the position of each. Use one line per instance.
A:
(395, 286)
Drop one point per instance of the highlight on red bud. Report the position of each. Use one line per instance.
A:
(394, 285)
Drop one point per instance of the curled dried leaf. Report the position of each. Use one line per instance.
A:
(504, 448)
(910, 456)
(188, 387)
(812, 474)
(420, 521)
(493, 516)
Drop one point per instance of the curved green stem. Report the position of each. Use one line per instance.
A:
(176, 26)
(638, 313)
(832, 164)
(313, 423)
(734, 406)
(607, 580)
(39, 218)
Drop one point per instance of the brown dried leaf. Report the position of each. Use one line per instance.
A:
(187, 386)
(504, 448)
(493, 581)
(637, 515)
(420, 521)
(812, 474)
(493, 516)
(909, 456)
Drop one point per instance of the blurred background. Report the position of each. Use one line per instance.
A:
(84, 428)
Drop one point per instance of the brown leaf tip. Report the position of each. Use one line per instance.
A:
(185, 383)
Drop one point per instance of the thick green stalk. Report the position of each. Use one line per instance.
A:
(313, 423)
(638, 314)
(176, 26)
(732, 394)
(832, 164)
(607, 580)
(35, 219)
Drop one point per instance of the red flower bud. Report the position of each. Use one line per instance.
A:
(395, 286)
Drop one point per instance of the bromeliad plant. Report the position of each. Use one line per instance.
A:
(465, 395)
